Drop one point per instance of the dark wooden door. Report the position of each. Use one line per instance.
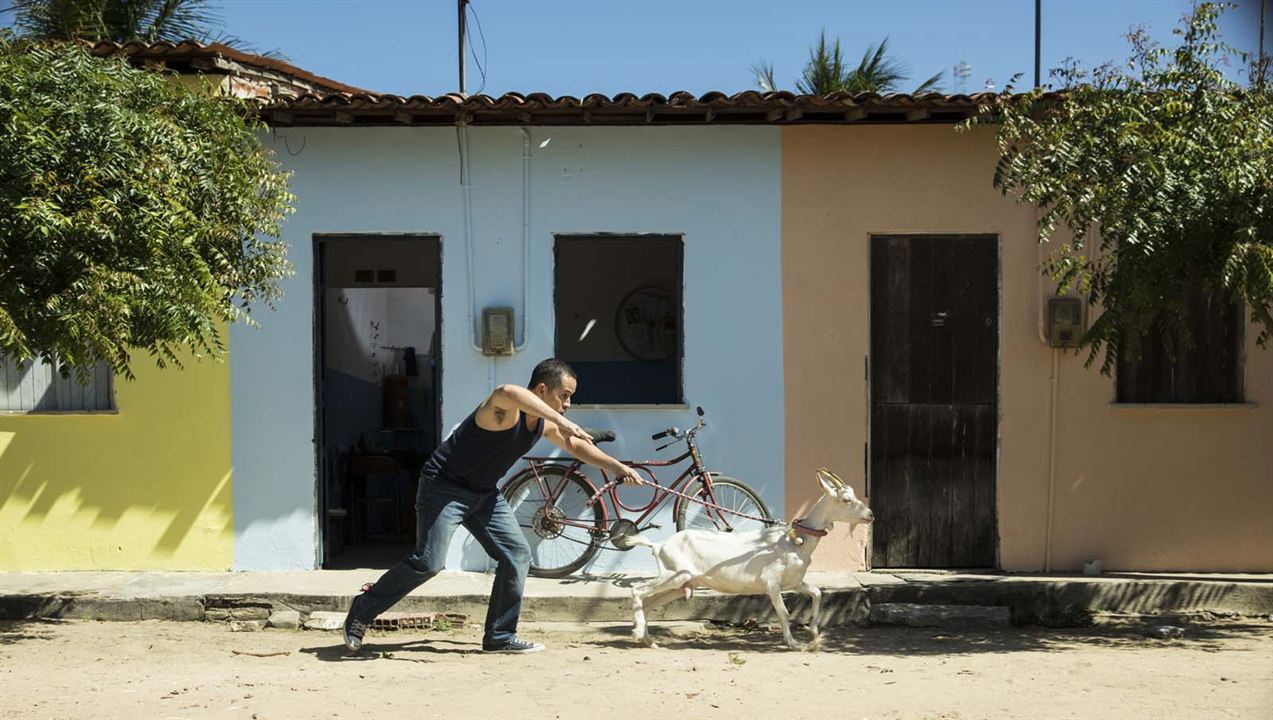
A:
(934, 379)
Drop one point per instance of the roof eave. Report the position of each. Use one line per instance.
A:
(747, 108)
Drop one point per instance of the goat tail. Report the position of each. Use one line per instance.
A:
(639, 539)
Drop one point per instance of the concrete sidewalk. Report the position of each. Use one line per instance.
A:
(1057, 600)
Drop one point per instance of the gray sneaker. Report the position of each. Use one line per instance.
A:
(355, 629)
(515, 646)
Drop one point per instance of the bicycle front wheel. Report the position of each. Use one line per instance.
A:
(563, 534)
(728, 493)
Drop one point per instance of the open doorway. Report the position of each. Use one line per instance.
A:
(377, 367)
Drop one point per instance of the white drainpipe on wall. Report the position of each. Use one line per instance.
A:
(466, 184)
(1047, 542)
(1056, 353)
(466, 189)
(525, 241)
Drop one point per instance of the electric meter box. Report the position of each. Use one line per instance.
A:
(497, 331)
(1065, 321)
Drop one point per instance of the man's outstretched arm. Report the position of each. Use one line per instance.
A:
(502, 409)
(590, 454)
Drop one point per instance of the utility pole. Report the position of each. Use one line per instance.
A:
(1038, 37)
(1264, 61)
(461, 6)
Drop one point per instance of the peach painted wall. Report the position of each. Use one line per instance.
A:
(1139, 488)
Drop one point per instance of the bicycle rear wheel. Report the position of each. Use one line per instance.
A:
(563, 535)
(727, 492)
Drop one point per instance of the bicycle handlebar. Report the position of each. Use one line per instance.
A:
(678, 434)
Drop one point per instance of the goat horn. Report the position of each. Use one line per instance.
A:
(830, 476)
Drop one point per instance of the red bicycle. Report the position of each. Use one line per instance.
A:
(566, 519)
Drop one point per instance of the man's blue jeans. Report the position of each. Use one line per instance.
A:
(440, 508)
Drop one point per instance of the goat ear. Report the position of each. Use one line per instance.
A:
(827, 488)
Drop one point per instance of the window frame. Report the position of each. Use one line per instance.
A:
(676, 238)
(57, 385)
(1154, 339)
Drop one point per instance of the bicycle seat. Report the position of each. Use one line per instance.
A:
(600, 436)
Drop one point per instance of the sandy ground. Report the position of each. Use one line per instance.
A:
(193, 670)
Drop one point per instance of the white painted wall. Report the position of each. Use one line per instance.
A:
(719, 187)
(403, 317)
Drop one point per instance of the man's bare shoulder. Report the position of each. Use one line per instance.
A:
(496, 413)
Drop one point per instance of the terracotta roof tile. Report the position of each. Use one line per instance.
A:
(288, 95)
(186, 56)
(749, 106)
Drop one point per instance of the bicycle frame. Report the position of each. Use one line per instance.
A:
(694, 471)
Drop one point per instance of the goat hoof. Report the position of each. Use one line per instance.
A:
(814, 645)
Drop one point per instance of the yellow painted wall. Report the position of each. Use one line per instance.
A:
(147, 488)
(1168, 489)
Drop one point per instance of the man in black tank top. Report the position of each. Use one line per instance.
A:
(458, 487)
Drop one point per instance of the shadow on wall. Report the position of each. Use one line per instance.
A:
(148, 487)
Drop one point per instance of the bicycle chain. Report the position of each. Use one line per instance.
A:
(599, 544)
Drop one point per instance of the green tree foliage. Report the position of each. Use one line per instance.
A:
(135, 213)
(826, 72)
(1161, 171)
(117, 20)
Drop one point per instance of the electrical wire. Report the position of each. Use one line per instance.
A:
(481, 65)
(286, 144)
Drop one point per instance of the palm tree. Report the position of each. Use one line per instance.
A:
(118, 20)
(825, 72)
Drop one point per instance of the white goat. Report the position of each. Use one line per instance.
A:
(767, 561)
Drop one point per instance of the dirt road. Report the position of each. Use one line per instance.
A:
(193, 670)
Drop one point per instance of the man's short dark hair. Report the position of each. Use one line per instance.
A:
(551, 372)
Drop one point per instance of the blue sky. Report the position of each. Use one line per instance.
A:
(581, 46)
